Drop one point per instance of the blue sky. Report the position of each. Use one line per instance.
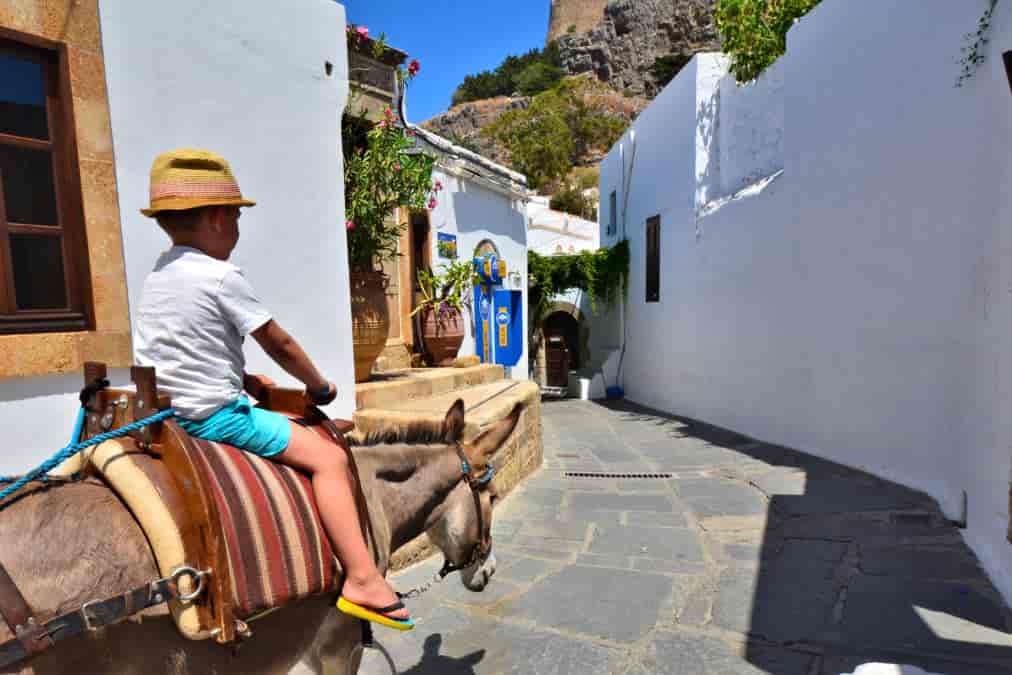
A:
(451, 39)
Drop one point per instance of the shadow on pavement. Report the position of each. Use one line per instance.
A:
(433, 663)
(827, 560)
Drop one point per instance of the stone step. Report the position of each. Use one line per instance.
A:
(395, 388)
(483, 405)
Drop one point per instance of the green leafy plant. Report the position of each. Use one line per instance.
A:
(383, 171)
(378, 178)
(973, 51)
(447, 291)
(601, 274)
(572, 200)
(559, 127)
(754, 32)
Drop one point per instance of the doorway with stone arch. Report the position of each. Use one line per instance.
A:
(562, 346)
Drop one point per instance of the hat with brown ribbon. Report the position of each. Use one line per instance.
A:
(189, 178)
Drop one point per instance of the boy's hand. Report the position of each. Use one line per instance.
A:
(323, 395)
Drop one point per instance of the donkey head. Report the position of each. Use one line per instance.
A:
(464, 534)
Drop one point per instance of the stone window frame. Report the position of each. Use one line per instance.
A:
(62, 148)
(73, 26)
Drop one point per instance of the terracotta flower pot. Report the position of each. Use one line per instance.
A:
(370, 320)
(442, 333)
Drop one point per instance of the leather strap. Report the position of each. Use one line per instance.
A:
(19, 617)
(92, 616)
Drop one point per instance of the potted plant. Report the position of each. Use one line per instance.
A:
(441, 310)
(383, 172)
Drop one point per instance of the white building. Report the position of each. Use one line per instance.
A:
(578, 335)
(264, 90)
(831, 251)
(480, 210)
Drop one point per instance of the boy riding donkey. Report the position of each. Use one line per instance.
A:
(196, 308)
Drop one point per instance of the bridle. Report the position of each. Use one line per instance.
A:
(483, 547)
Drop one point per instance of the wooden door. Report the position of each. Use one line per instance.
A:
(557, 361)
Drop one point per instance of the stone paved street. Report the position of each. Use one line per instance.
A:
(749, 559)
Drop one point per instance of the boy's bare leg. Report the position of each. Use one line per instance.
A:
(327, 464)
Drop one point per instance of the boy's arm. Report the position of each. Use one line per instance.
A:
(287, 353)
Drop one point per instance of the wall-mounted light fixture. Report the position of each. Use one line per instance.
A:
(1007, 58)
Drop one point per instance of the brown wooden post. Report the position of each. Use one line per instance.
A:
(146, 401)
(93, 370)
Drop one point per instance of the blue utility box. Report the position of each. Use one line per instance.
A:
(509, 322)
(498, 315)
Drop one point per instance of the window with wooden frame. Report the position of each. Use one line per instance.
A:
(653, 241)
(43, 263)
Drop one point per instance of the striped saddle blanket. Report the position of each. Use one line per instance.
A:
(252, 521)
(277, 549)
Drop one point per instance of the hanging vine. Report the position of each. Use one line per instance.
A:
(973, 52)
(599, 273)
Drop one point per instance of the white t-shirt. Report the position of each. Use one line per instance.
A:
(194, 312)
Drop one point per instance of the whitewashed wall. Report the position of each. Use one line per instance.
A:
(856, 307)
(245, 81)
(242, 80)
(474, 212)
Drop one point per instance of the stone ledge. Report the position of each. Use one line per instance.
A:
(520, 456)
(397, 387)
(29, 355)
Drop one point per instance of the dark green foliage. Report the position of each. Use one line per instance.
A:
(754, 32)
(538, 77)
(600, 273)
(571, 200)
(530, 74)
(666, 67)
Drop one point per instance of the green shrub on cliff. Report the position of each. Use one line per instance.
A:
(528, 74)
(561, 126)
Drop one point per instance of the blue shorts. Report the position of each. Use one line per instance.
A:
(255, 430)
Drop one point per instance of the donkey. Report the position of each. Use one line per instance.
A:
(67, 543)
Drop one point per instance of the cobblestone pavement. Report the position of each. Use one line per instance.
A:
(749, 559)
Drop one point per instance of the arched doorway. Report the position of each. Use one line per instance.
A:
(562, 347)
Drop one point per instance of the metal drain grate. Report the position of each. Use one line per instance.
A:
(601, 474)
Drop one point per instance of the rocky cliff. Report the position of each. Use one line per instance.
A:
(630, 35)
(616, 41)
(462, 124)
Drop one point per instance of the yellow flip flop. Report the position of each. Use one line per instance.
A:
(376, 615)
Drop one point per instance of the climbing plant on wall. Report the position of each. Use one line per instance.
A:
(976, 42)
(598, 273)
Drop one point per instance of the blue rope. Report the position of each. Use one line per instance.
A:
(74, 447)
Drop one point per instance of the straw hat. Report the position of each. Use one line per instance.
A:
(188, 178)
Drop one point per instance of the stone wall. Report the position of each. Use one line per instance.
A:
(75, 26)
(574, 16)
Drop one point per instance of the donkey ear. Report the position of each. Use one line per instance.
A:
(453, 423)
(492, 439)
